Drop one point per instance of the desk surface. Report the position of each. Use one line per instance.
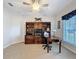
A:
(55, 39)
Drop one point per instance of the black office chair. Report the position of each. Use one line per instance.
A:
(46, 44)
(45, 41)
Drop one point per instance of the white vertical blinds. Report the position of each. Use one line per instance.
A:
(69, 30)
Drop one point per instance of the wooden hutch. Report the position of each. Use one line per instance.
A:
(34, 32)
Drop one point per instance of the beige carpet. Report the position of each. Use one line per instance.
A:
(35, 51)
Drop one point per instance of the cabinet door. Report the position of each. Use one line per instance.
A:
(29, 40)
(38, 40)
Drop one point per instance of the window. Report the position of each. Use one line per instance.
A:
(69, 30)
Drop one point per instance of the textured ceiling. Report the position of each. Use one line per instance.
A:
(55, 6)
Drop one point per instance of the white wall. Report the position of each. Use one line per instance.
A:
(11, 28)
(59, 31)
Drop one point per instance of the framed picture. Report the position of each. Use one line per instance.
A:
(58, 25)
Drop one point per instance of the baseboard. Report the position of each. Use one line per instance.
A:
(69, 47)
(11, 44)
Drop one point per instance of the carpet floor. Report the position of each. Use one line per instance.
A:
(36, 51)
